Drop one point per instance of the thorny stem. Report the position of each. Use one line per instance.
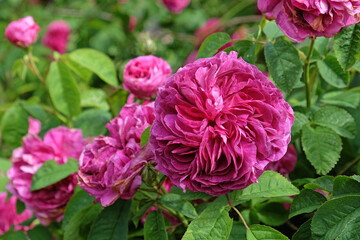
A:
(307, 74)
(237, 211)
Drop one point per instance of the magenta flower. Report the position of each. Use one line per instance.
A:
(8, 214)
(144, 75)
(218, 122)
(176, 6)
(286, 164)
(300, 19)
(59, 144)
(23, 32)
(110, 167)
(213, 25)
(57, 36)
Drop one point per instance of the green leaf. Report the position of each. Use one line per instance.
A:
(154, 228)
(118, 100)
(322, 147)
(81, 219)
(271, 184)
(82, 72)
(97, 62)
(19, 69)
(94, 98)
(347, 46)
(213, 223)
(63, 89)
(335, 218)
(140, 212)
(18, 235)
(306, 202)
(331, 71)
(245, 49)
(272, 31)
(51, 172)
(272, 213)
(112, 223)
(189, 195)
(212, 44)
(40, 233)
(299, 121)
(344, 185)
(5, 165)
(14, 125)
(321, 44)
(261, 232)
(20, 206)
(342, 99)
(78, 201)
(238, 231)
(304, 232)
(92, 122)
(145, 136)
(284, 64)
(337, 119)
(35, 110)
(175, 202)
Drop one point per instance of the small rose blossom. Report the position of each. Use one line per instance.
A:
(176, 6)
(59, 144)
(286, 164)
(110, 167)
(211, 26)
(23, 32)
(9, 215)
(132, 23)
(57, 36)
(144, 75)
(300, 19)
(218, 122)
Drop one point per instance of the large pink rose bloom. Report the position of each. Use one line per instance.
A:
(286, 164)
(110, 167)
(144, 75)
(176, 6)
(8, 214)
(57, 36)
(23, 32)
(300, 19)
(59, 144)
(218, 122)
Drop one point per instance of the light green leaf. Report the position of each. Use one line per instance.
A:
(342, 98)
(272, 31)
(112, 223)
(40, 233)
(213, 223)
(347, 45)
(154, 228)
(271, 184)
(284, 64)
(261, 232)
(331, 71)
(94, 98)
(337, 119)
(145, 136)
(92, 122)
(306, 202)
(82, 72)
(212, 44)
(299, 121)
(63, 89)
(175, 202)
(14, 125)
(273, 213)
(322, 147)
(5, 165)
(51, 172)
(97, 62)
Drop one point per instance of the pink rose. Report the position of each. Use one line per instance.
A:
(8, 214)
(176, 6)
(23, 32)
(59, 144)
(286, 164)
(211, 26)
(144, 75)
(132, 23)
(300, 19)
(57, 36)
(218, 122)
(110, 167)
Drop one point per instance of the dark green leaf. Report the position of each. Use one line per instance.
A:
(212, 44)
(347, 45)
(103, 66)
(344, 185)
(117, 101)
(273, 213)
(342, 99)
(189, 195)
(306, 202)
(213, 223)
(145, 136)
(40, 233)
(245, 49)
(304, 232)
(112, 223)
(175, 202)
(322, 147)
(141, 211)
(92, 122)
(331, 71)
(18, 235)
(63, 89)
(51, 172)
(20, 206)
(154, 228)
(299, 121)
(261, 232)
(284, 64)
(238, 231)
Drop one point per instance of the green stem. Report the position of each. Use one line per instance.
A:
(237, 211)
(307, 74)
